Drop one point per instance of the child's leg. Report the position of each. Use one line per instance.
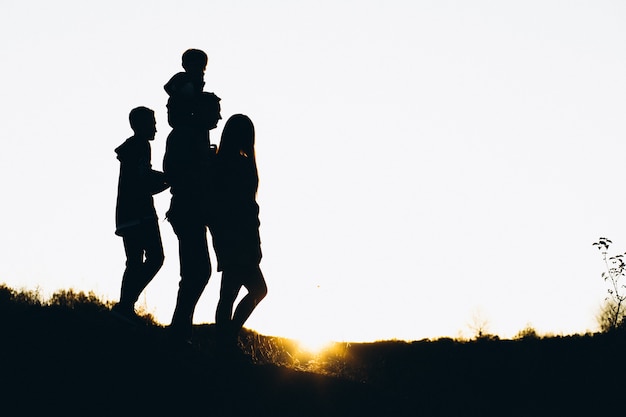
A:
(133, 248)
(154, 255)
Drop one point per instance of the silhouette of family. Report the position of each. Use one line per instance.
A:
(213, 189)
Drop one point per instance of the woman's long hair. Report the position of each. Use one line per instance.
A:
(238, 142)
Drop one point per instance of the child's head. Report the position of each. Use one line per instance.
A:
(195, 61)
(143, 122)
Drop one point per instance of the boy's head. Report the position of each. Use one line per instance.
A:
(143, 122)
(195, 61)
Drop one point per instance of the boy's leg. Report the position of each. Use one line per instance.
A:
(133, 271)
(139, 241)
(154, 256)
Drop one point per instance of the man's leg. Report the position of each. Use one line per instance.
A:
(195, 270)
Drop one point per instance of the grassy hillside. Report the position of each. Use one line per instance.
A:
(70, 356)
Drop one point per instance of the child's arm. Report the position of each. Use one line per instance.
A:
(157, 182)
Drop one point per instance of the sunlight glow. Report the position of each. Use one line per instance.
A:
(314, 344)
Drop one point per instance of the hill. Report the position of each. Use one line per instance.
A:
(72, 357)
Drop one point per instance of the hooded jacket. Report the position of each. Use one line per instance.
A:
(136, 185)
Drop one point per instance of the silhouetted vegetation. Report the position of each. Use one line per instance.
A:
(612, 313)
(68, 355)
(527, 332)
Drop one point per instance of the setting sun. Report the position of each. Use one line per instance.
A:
(314, 343)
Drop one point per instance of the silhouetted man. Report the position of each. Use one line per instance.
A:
(135, 217)
(186, 165)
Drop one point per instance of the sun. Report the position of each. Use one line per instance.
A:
(314, 344)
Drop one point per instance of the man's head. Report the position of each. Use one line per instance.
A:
(210, 110)
(194, 61)
(142, 122)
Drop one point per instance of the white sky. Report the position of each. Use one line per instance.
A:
(419, 160)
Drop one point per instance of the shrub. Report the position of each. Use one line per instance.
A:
(23, 298)
(527, 332)
(73, 300)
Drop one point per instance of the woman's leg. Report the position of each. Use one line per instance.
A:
(257, 290)
(229, 289)
(226, 332)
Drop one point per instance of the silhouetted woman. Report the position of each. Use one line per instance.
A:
(235, 228)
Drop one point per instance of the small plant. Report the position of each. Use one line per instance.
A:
(479, 326)
(606, 315)
(615, 275)
(528, 332)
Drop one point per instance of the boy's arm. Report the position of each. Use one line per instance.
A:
(151, 181)
(157, 182)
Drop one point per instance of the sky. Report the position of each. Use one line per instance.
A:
(423, 165)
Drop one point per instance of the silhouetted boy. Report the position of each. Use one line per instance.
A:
(184, 88)
(135, 217)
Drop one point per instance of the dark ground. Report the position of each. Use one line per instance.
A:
(60, 361)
